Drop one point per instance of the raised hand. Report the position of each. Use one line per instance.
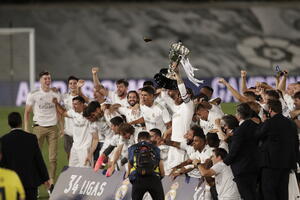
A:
(222, 81)
(95, 70)
(243, 73)
(80, 83)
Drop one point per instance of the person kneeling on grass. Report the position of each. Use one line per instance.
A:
(226, 187)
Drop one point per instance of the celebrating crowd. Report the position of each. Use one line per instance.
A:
(153, 132)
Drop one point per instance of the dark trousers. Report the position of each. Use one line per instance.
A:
(274, 184)
(213, 192)
(246, 185)
(31, 193)
(151, 184)
(97, 150)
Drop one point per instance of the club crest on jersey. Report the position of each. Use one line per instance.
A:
(171, 195)
(122, 190)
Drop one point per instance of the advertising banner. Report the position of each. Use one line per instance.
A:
(84, 183)
(15, 94)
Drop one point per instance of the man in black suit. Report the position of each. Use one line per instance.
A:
(22, 154)
(243, 152)
(278, 153)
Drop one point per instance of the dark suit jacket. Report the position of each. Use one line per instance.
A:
(22, 154)
(280, 144)
(243, 150)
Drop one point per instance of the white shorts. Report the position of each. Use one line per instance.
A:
(175, 157)
(78, 157)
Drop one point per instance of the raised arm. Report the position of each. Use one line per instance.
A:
(59, 108)
(80, 84)
(183, 93)
(97, 84)
(233, 91)
(96, 81)
(282, 83)
(243, 81)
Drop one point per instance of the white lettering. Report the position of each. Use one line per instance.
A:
(140, 84)
(88, 89)
(90, 189)
(73, 177)
(22, 93)
(86, 187)
(135, 85)
(82, 187)
(291, 80)
(94, 192)
(101, 189)
(60, 85)
(271, 81)
(75, 186)
(108, 84)
(219, 89)
(253, 80)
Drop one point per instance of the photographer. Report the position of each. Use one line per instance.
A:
(145, 169)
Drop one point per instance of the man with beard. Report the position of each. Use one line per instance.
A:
(131, 112)
(187, 144)
(192, 152)
(118, 96)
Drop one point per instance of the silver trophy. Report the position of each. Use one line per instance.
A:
(177, 52)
